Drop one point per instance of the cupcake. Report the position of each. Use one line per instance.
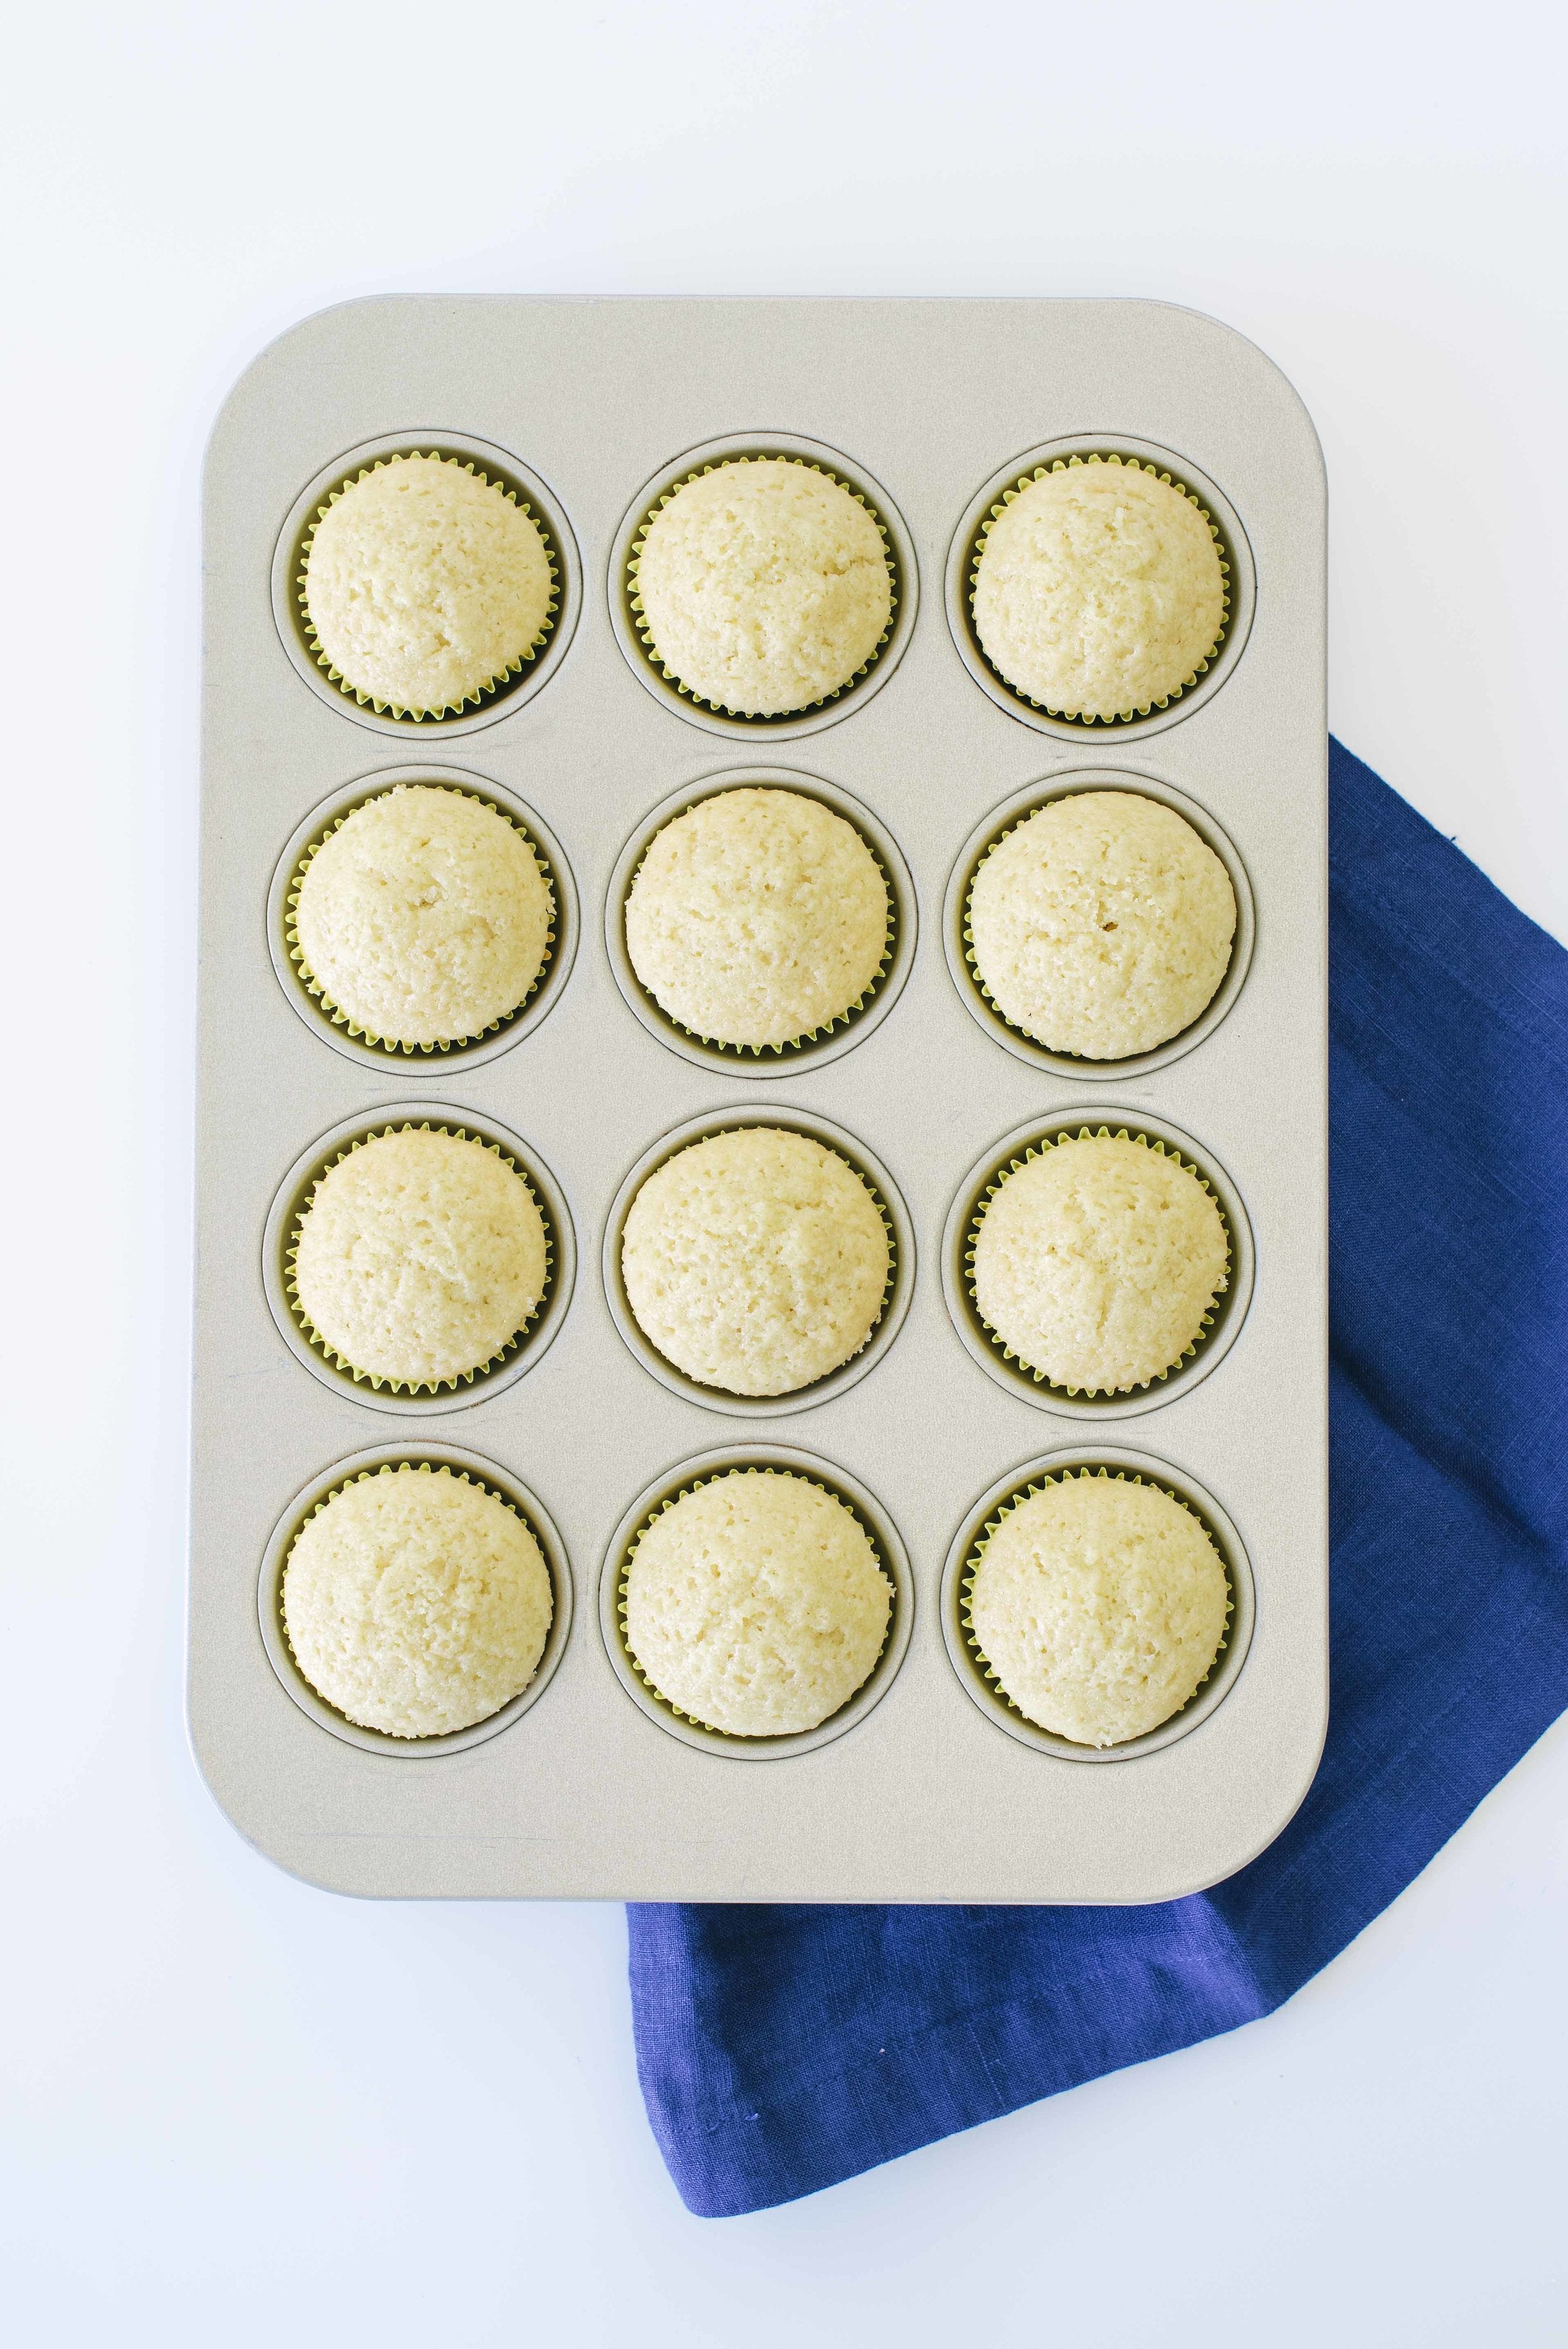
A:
(1099, 1605)
(756, 1261)
(1099, 590)
(755, 1604)
(757, 917)
(1096, 1262)
(415, 1602)
(420, 1257)
(424, 585)
(1101, 925)
(762, 586)
(423, 919)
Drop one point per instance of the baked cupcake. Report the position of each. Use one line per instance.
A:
(755, 1603)
(424, 585)
(757, 917)
(424, 919)
(1099, 1605)
(1099, 590)
(419, 1258)
(762, 586)
(1101, 925)
(1096, 1262)
(756, 1261)
(416, 1603)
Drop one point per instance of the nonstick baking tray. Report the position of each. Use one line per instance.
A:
(928, 1787)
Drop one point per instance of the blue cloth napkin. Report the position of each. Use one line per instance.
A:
(783, 2049)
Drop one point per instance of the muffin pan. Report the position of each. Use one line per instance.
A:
(926, 1786)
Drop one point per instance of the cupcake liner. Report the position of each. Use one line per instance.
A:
(977, 548)
(896, 1292)
(430, 1459)
(793, 1044)
(493, 686)
(1012, 817)
(643, 635)
(1010, 1166)
(341, 1018)
(321, 1345)
(706, 1468)
(1025, 1492)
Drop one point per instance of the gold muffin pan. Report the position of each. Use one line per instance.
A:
(928, 1786)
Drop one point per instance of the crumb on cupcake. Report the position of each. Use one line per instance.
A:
(424, 918)
(421, 1256)
(764, 585)
(423, 584)
(1100, 1605)
(1095, 1262)
(1102, 924)
(757, 917)
(755, 1603)
(756, 1261)
(1099, 590)
(417, 1603)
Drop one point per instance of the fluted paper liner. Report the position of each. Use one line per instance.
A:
(844, 1019)
(480, 695)
(1036, 1150)
(634, 601)
(623, 1573)
(977, 549)
(313, 1336)
(392, 1046)
(971, 1567)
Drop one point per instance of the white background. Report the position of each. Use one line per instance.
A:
(238, 2110)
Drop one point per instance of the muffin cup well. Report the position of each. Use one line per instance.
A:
(626, 614)
(476, 1470)
(1052, 456)
(334, 1027)
(975, 1675)
(526, 1348)
(995, 827)
(1223, 1323)
(896, 1298)
(702, 1469)
(838, 1036)
(526, 676)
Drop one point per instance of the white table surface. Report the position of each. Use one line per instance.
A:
(232, 2107)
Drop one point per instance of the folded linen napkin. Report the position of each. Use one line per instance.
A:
(783, 2049)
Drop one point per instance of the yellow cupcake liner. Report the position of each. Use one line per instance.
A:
(341, 1018)
(975, 974)
(1036, 1149)
(623, 1579)
(634, 601)
(1140, 709)
(478, 695)
(363, 1476)
(378, 1382)
(1014, 1500)
(810, 1036)
(889, 1287)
